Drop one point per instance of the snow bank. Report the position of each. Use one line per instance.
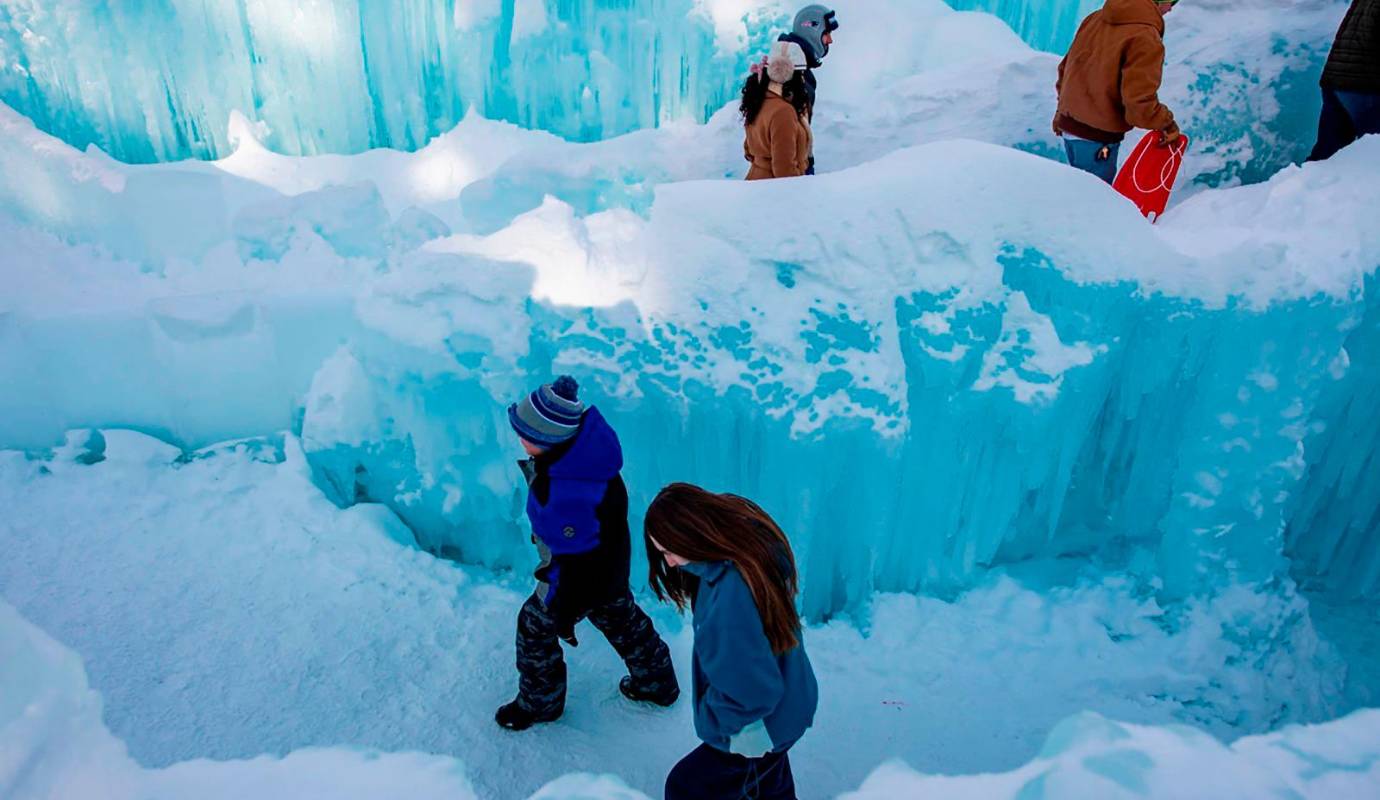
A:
(1090, 756)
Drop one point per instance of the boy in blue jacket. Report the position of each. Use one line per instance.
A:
(578, 506)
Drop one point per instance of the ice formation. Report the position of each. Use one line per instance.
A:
(1021, 440)
(1048, 26)
(819, 354)
(151, 81)
(157, 80)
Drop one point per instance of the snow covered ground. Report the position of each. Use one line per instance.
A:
(1045, 466)
(225, 610)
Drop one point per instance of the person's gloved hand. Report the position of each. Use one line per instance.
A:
(752, 741)
(566, 631)
(1170, 136)
(1054, 124)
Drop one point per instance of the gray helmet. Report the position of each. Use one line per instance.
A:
(811, 23)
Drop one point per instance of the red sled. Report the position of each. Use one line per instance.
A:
(1147, 178)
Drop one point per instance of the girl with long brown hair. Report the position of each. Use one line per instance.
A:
(754, 690)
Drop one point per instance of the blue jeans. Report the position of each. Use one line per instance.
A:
(1346, 117)
(1083, 154)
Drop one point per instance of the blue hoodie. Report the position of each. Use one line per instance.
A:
(740, 686)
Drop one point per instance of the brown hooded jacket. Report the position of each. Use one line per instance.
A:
(1109, 82)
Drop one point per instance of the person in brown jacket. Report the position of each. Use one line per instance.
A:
(1109, 83)
(775, 112)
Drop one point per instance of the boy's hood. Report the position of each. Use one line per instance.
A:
(595, 455)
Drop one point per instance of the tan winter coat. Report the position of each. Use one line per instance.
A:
(778, 142)
(1110, 80)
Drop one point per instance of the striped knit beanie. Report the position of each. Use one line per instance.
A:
(549, 415)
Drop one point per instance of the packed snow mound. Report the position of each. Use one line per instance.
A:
(55, 746)
(343, 77)
(1090, 756)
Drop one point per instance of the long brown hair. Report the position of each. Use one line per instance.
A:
(756, 88)
(702, 526)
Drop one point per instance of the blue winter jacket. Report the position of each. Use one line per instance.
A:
(739, 684)
(578, 507)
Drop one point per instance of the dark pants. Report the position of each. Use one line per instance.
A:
(1084, 155)
(541, 665)
(1346, 117)
(710, 774)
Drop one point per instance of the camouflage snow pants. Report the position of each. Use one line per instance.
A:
(541, 664)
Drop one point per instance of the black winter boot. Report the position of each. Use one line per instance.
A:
(516, 718)
(664, 698)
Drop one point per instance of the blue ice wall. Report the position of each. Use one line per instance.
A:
(150, 80)
(1178, 453)
(154, 80)
(1044, 24)
(1333, 540)
(921, 389)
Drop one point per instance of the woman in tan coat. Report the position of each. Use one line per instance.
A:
(776, 115)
